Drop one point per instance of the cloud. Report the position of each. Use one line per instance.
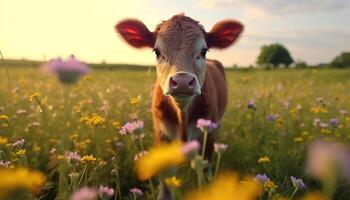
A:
(266, 9)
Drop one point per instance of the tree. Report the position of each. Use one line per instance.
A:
(274, 54)
(342, 60)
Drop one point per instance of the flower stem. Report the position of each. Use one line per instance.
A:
(291, 196)
(204, 143)
(217, 164)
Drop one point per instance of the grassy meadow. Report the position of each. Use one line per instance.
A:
(86, 118)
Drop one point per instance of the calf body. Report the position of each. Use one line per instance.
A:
(170, 122)
(188, 86)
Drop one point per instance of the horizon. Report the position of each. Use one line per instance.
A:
(312, 31)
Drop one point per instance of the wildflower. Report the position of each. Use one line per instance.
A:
(86, 159)
(20, 178)
(21, 112)
(269, 185)
(298, 139)
(264, 159)
(131, 127)
(140, 154)
(261, 178)
(5, 163)
(3, 140)
(297, 183)
(325, 157)
(34, 96)
(21, 152)
(67, 70)
(318, 109)
(73, 157)
(163, 156)
(173, 182)
(116, 124)
(105, 191)
(206, 125)
(18, 143)
(136, 192)
(334, 122)
(85, 193)
(272, 117)
(135, 100)
(251, 104)
(4, 118)
(343, 112)
(227, 187)
(317, 122)
(94, 121)
(323, 125)
(220, 147)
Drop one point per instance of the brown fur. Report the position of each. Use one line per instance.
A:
(210, 104)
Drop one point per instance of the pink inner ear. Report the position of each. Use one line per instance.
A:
(130, 30)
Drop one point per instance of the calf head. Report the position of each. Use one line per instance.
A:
(180, 45)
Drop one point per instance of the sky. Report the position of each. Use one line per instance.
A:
(314, 31)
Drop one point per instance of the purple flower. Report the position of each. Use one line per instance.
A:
(334, 122)
(67, 70)
(206, 125)
(131, 127)
(105, 191)
(272, 117)
(261, 178)
(297, 183)
(136, 192)
(220, 147)
(251, 104)
(85, 193)
(18, 143)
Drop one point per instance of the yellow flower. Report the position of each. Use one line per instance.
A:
(33, 96)
(116, 124)
(264, 159)
(270, 185)
(86, 159)
(227, 187)
(325, 131)
(135, 100)
(159, 158)
(298, 139)
(314, 196)
(21, 152)
(3, 140)
(318, 109)
(4, 118)
(173, 182)
(60, 157)
(12, 179)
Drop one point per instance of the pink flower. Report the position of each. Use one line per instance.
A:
(136, 192)
(131, 127)
(206, 125)
(106, 191)
(67, 70)
(325, 157)
(190, 146)
(85, 193)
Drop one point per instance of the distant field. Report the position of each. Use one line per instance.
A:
(280, 128)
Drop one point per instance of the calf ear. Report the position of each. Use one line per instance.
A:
(223, 34)
(135, 33)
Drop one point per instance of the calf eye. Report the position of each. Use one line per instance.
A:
(204, 52)
(157, 52)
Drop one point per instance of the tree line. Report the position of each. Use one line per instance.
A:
(276, 55)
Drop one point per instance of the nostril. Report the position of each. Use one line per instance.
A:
(192, 82)
(173, 83)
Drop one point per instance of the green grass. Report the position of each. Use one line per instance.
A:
(108, 92)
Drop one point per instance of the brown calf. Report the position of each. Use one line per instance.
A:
(188, 86)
